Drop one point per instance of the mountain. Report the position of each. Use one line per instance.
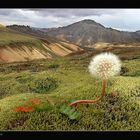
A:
(88, 32)
(28, 30)
(17, 46)
(138, 32)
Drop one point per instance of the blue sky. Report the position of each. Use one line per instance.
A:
(121, 19)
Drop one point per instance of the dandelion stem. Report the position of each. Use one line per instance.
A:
(91, 101)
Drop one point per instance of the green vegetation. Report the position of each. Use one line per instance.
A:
(132, 68)
(17, 39)
(70, 112)
(61, 81)
(10, 38)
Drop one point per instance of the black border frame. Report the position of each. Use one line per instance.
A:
(70, 4)
(70, 134)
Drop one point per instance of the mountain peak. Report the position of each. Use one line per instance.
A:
(87, 32)
(88, 21)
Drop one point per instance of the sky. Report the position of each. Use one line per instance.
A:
(121, 19)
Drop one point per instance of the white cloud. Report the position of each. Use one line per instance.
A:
(123, 19)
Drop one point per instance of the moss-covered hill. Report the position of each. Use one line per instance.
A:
(56, 83)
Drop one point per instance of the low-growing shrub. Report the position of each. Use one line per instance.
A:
(43, 85)
(124, 70)
(36, 85)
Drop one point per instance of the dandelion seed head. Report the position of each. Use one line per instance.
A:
(105, 66)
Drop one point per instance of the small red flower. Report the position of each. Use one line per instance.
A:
(23, 109)
(36, 101)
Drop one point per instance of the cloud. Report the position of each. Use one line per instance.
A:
(73, 12)
(124, 19)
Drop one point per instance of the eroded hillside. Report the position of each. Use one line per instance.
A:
(16, 47)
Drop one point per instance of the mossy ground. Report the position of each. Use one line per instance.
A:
(72, 81)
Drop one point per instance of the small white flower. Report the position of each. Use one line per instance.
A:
(104, 66)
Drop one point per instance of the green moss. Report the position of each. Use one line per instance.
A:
(132, 68)
(121, 112)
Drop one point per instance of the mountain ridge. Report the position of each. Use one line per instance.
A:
(88, 32)
(85, 33)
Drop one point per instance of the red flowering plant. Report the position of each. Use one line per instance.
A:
(36, 101)
(42, 105)
(23, 108)
(33, 104)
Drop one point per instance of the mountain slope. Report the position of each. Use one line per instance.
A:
(16, 46)
(87, 32)
(28, 30)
